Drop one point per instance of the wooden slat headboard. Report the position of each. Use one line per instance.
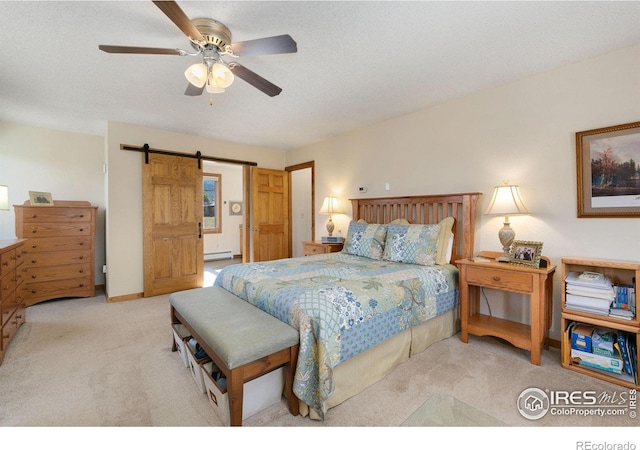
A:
(425, 209)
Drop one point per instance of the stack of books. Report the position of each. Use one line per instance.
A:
(624, 305)
(589, 292)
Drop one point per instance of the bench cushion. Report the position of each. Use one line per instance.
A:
(236, 331)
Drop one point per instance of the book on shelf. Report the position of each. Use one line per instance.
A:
(621, 313)
(625, 297)
(607, 294)
(603, 283)
(587, 304)
(623, 348)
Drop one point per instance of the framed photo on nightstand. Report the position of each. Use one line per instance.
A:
(526, 253)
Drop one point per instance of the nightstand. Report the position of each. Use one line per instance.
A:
(537, 283)
(317, 248)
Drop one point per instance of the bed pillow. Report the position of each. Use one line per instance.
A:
(445, 240)
(365, 240)
(412, 244)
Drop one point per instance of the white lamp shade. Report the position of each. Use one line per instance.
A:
(196, 74)
(506, 201)
(222, 75)
(212, 87)
(4, 198)
(330, 205)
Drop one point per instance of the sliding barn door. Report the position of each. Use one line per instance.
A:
(270, 214)
(173, 248)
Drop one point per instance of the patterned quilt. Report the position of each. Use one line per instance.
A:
(342, 305)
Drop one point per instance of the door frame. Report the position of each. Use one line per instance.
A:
(289, 169)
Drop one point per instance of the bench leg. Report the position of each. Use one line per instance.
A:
(235, 388)
(289, 374)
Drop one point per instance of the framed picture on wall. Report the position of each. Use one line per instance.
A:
(40, 198)
(608, 171)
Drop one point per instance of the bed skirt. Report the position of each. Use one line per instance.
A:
(355, 375)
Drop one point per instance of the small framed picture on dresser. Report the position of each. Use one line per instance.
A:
(40, 198)
(526, 253)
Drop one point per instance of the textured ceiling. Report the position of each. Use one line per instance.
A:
(357, 62)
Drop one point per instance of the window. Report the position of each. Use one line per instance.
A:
(211, 202)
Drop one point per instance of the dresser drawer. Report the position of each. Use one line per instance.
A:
(499, 279)
(39, 274)
(7, 262)
(7, 307)
(7, 286)
(45, 214)
(76, 287)
(45, 230)
(57, 244)
(312, 250)
(43, 259)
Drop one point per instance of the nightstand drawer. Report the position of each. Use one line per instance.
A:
(499, 279)
(313, 250)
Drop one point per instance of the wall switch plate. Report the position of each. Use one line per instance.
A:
(362, 189)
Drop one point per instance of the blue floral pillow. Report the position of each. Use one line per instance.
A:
(365, 239)
(412, 244)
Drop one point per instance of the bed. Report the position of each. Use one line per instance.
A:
(390, 293)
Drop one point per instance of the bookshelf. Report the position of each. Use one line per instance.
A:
(620, 273)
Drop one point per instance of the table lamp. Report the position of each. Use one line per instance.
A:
(506, 202)
(330, 206)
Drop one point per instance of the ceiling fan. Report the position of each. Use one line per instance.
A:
(212, 40)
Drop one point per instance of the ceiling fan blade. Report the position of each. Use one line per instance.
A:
(193, 91)
(140, 50)
(177, 16)
(255, 80)
(265, 46)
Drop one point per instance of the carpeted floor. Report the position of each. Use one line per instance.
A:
(88, 363)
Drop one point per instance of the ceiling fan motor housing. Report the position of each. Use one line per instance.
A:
(214, 33)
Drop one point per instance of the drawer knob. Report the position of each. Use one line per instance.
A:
(496, 278)
(33, 291)
(33, 216)
(81, 229)
(34, 246)
(82, 257)
(33, 230)
(6, 263)
(81, 243)
(34, 261)
(81, 270)
(33, 276)
(81, 285)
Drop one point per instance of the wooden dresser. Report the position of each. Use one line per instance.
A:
(12, 307)
(60, 249)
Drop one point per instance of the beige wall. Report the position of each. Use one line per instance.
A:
(68, 165)
(523, 132)
(124, 193)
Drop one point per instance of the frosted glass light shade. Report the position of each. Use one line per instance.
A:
(4, 198)
(222, 75)
(196, 74)
(212, 87)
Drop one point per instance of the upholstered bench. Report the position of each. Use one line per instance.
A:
(241, 339)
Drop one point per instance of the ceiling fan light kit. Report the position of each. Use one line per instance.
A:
(212, 40)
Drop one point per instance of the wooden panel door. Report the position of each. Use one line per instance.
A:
(270, 214)
(173, 248)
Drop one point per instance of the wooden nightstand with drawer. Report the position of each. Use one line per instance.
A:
(318, 248)
(537, 283)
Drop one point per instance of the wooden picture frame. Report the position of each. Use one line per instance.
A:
(607, 171)
(40, 198)
(526, 253)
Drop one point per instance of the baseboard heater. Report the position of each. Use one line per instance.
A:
(218, 255)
